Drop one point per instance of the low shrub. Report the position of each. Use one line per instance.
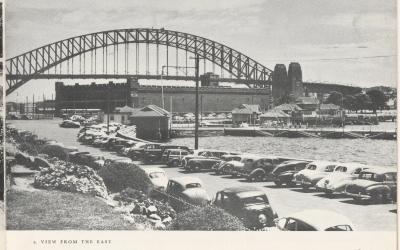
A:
(207, 219)
(120, 175)
(55, 151)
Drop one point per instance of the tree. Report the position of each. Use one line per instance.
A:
(363, 101)
(378, 99)
(350, 102)
(335, 98)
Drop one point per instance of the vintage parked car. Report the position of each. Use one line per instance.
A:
(314, 220)
(203, 162)
(135, 152)
(157, 177)
(85, 158)
(314, 172)
(376, 185)
(175, 156)
(248, 203)
(69, 124)
(187, 189)
(226, 162)
(159, 153)
(284, 172)
(336, 181)
(257, 168)
(202, 154)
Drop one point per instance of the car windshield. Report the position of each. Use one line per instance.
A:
(329, 168)
(193, 185)
(155, 175)
(312, 167)
(341, 169)
(371, 176)
(254, 199)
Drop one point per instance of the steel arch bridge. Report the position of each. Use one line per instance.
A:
(88, 57)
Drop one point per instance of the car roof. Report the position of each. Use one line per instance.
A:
(153, 169)
(321, 219)
(352, 165)
(240, 189)
(186, 180)
(292, 162)
(380, 170)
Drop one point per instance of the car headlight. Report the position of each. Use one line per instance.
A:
(262, 218)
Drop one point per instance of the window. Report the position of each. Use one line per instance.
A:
(312, 167)
(112, 117)
(329, 168)
(193, 185)
(389, 177)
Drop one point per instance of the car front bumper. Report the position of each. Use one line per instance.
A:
(358, 196)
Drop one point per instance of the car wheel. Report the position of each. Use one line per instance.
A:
(377, 198)
(175, 163)
(260, 177)
(278, 183)
(305, 187)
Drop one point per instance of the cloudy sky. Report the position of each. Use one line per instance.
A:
(340, 41)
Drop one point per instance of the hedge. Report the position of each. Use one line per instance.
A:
(55, 151)
(207, 218)
(118, 176)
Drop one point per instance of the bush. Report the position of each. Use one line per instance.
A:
(55, 151)
(207, 219)
(120, 175)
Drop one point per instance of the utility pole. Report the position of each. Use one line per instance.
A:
(108, 108)
(196, 125)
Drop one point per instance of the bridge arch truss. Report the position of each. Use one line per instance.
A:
(35, 63)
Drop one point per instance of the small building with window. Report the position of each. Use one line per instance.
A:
(119, 115)
(246, 113)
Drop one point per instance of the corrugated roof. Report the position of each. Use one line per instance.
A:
(307, 100)
(275, 114)
(150, 111)
(288, 107)
(328, 106)
(255, 108)
(125, 109)
(242, 111)
(247, 109)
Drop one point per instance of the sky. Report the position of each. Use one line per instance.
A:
(348, 42)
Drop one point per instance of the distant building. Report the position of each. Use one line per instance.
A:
(329, 110)
(177, 99)
(288, 108)
(308, 103)
(275, 116)
(246, 113)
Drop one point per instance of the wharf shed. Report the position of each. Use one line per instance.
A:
(152, 122)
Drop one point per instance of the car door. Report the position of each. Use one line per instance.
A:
(390, 180)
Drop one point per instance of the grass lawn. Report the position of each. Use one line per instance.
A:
(56, 210)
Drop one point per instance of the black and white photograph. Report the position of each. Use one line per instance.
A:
(176, 115)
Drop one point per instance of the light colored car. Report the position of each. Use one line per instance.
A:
(158, 177)
(187, 189)
(337, 180)
(314, 172)
(314, 220)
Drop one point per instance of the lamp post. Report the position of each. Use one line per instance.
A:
(196, 125)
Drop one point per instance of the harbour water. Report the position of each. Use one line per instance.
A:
(373, 152)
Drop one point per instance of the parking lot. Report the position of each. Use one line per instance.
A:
(380, 217)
